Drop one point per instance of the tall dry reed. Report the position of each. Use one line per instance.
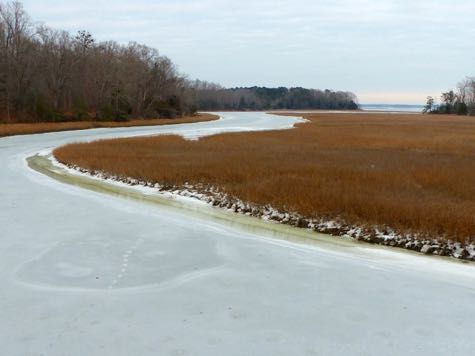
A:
(410, 172)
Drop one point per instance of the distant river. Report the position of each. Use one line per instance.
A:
(392, 107)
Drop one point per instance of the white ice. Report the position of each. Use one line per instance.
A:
(83, 273)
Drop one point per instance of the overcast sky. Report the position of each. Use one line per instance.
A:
(386, 51)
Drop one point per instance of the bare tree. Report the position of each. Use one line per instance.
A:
(429, 107)
(18, 54)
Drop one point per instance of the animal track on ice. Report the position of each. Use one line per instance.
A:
(125, 263)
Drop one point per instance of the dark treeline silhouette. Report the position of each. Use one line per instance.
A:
(207, 96)
(460, 102)
(51, 75)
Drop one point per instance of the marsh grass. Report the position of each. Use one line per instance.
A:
(409, 172)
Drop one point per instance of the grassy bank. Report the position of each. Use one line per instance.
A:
(411, 173)
(26, 129)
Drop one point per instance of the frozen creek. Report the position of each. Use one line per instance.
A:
(86, 273)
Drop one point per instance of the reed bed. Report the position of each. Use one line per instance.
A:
(412, 173)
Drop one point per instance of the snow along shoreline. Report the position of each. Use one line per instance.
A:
(212, 196)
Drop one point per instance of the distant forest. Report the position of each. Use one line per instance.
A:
(51, 75)
(208, 96)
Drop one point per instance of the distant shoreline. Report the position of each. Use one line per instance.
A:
(392, 107)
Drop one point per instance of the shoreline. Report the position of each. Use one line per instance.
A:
(20, 129)
(330, 227)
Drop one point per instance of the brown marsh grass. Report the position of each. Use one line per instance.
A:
(32, 128)
(409, 172)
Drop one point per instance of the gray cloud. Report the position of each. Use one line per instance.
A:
(371, 47)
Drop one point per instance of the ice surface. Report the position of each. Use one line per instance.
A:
(84, 273)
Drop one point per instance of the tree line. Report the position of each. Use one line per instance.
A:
(208, 96)
(51, 75)
(460, 102)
